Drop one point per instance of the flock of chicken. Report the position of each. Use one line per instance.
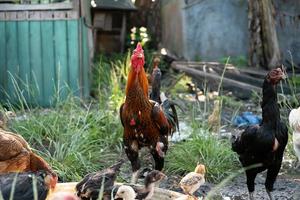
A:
(148, 121)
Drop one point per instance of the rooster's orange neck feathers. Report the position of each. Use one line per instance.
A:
(137, 76)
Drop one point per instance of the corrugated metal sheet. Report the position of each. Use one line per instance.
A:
(115, 5)
(43, 61)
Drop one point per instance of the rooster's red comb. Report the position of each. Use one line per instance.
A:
(139, 47)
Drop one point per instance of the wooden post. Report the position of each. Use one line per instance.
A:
(123, 32)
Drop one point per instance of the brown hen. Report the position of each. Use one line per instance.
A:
(17, 156)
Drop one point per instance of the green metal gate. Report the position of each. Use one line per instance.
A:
(42, 61)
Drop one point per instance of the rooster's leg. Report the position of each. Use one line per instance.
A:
(159, 161)
(251, 175)
(132, 153)
(271, 178)
(270, 195)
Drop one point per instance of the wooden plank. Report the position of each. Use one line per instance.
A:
(47, 15)
(60, 15)
(12, 60)
(80, 57)
(11, 16)
(73, 55)
(61, 62)
(48, 62)
(236, 85)
(85, 59)
(36, 62)
(24, 58)
(3, 79)
(123, 32)
(39, 15)
(2, 15)
(72, 15)
(52, 6)
(22, 15)
(217, 68)
(34, 15)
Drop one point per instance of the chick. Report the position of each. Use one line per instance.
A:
(88, 188)
(193, 180)
(294, 120)
(147, 191)
(214, 118)
(125, 192)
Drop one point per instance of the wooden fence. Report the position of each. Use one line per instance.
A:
(44, 55)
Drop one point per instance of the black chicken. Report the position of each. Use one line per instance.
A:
(22, 185)
(167, 105)
(88, 188)
(261, 147)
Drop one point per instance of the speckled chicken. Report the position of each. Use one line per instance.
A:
(294, 120)
(23, 183)
(16, 155)
(88, 188)
(193, 180)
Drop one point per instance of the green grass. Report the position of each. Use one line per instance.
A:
(73, 138)
(204, 148)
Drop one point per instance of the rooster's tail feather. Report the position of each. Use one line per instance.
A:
(170, 112)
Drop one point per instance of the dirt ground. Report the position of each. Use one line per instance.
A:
(287, 185)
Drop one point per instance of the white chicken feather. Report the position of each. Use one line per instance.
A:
(294, 120)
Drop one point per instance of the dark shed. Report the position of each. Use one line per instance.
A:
(109, 22)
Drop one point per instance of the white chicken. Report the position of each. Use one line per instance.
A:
(294, 120)
(125, 192)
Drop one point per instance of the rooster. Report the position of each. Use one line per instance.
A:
(294, 120)
(261, 147)
(17, 156)
(144, 121)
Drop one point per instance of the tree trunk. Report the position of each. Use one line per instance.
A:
(264, 48)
